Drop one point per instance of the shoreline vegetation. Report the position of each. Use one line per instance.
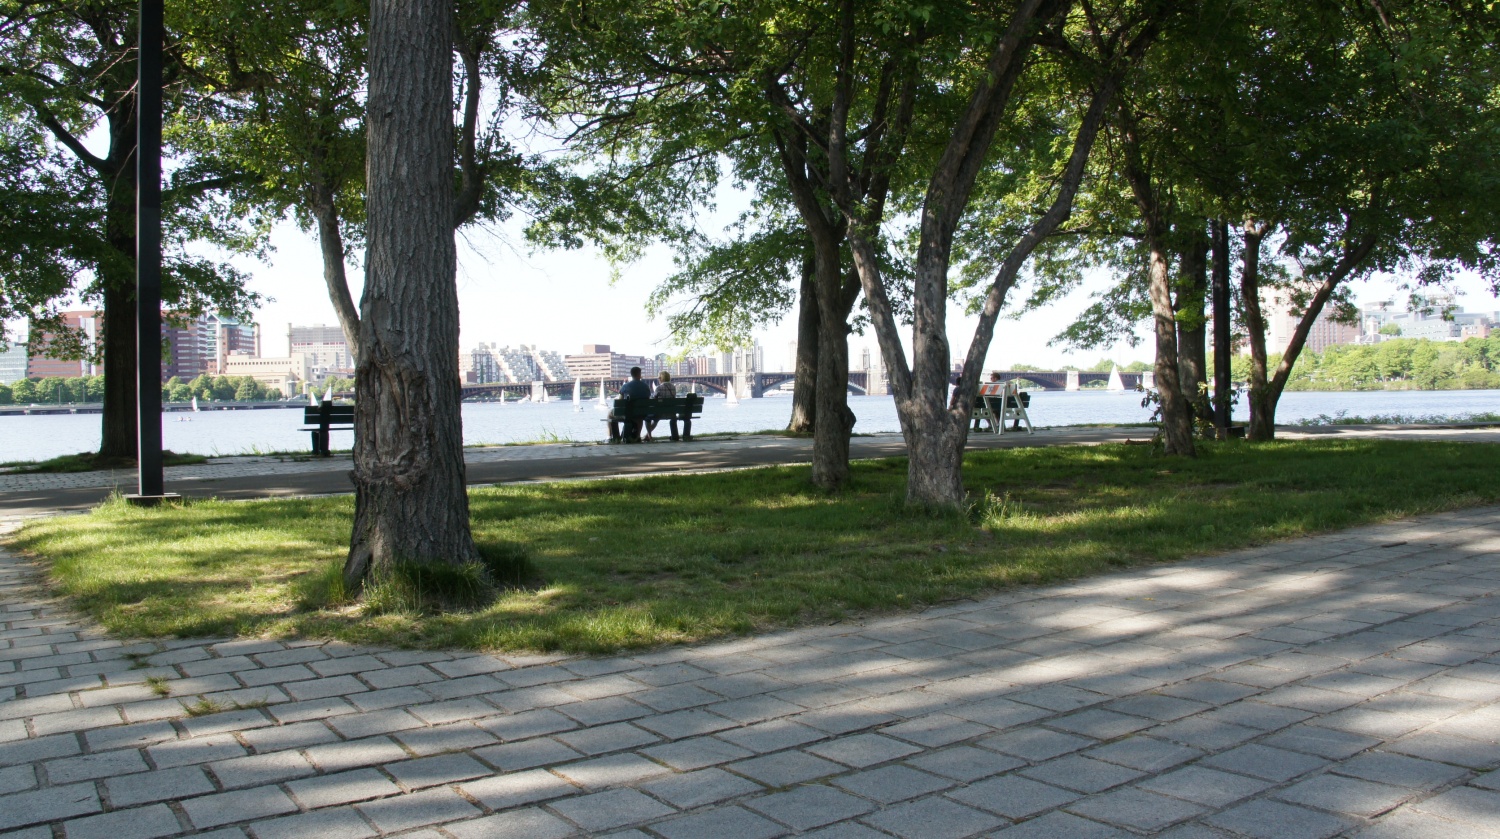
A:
(578, 573)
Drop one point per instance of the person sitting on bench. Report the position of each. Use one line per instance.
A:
(979, 404)
(633, 389)
(664, 390)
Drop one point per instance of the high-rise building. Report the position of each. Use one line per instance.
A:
(87, 326)
(201, 345)
(480, 365)
(325, 348)
(597, 361)
(791, 356)
(1282, 320)
(13, 361)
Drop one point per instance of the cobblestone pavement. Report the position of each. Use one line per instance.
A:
(1345, 685)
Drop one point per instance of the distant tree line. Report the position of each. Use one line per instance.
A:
(1399, 364)
(75, 389)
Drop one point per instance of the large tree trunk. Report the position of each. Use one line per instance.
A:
(1223, 330)
(1192, 328)
(1176, 416)
(118, 438)
(804, 389)
(410, 502)
(833, 421)
(1262, 403)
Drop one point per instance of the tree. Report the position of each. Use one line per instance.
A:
(411, 506)
(298, 128)
(23, 391)
(660, 91)
(247, 391)
(988, 52)
(1391, 164)
(68, 74)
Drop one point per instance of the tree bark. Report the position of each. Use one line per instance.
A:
(1262, 404)
(1192, 328)
(117, 432)
(804, 389)
(1223, 329)
(1176, 416)
(410, 501)
(833, 421)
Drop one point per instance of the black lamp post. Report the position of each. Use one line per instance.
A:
(148, 257)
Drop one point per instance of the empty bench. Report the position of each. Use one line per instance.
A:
(323, 419)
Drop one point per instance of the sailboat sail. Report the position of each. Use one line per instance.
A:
(1114, 378)
(603, 403)
(578, 394)
(731, 397)
(195, 404)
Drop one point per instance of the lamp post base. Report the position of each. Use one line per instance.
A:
(152, 500)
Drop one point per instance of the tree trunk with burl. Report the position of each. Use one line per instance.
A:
(410, 502)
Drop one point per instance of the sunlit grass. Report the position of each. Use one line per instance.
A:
(676, 559)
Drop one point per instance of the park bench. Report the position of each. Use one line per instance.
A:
(323, 419)
(633, 413)
(998, 402)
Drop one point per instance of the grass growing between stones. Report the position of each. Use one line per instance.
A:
(634, 563)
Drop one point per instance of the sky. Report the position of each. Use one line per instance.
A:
(565, 299)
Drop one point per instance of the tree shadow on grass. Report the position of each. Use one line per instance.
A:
(633, 563)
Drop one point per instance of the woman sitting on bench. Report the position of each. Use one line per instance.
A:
(664, 390)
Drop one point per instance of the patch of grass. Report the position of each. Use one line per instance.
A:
(205, 706)
(608, 565)
(158, 685)
(91, 461)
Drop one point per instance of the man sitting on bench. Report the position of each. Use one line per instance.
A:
(664, 390)
(633, 389)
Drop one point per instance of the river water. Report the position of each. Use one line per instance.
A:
(212, 432)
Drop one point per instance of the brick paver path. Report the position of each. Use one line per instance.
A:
(1342, 685)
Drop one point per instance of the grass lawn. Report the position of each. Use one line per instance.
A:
(633, 563)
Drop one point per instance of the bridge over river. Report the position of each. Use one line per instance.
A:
(754, 385)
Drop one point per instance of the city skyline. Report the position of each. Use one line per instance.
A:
(511, 297)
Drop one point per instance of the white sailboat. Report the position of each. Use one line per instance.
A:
(1115, 384)
(328, 394)
(578, 394)
(731, 398)
(195, 404)
(603, 403)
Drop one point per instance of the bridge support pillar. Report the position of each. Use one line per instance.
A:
(748, 384)
(1073, 380)
(538, 391)
(1148, 379)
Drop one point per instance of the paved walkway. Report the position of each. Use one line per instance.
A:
(239, 478)
(1347, 685)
